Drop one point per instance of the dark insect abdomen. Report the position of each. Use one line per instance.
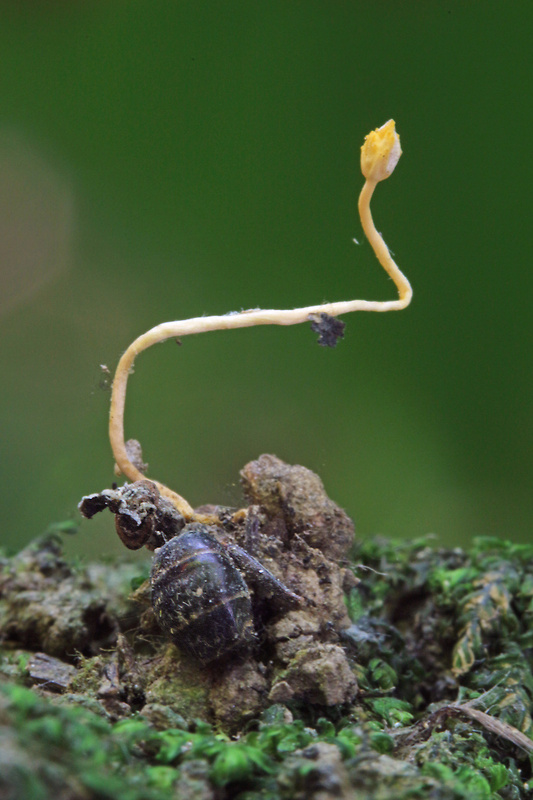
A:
(199, 596)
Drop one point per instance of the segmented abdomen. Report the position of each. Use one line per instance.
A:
(199, 596)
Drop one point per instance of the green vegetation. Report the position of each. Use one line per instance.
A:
(440, 643)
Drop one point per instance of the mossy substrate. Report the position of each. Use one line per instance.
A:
(416, 682)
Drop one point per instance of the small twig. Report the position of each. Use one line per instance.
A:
(496, 726)
(423, 729)
(379, 155)
(370, 569)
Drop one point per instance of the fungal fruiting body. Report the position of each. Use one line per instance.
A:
(379, 156)
(381, 152)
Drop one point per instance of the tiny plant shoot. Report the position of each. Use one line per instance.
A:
(379, 155)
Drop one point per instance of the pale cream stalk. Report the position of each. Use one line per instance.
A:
(379, 156)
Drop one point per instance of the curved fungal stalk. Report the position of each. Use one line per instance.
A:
(379, 155)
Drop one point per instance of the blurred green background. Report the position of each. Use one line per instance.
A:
(163, 160)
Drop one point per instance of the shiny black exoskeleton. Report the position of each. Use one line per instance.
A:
(201, 597)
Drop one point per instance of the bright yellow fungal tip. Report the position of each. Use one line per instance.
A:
(380, 152)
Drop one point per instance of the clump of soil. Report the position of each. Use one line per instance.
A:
(302, 538)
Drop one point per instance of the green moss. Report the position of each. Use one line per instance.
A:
(51, 748)
(175, 682)
(432, 630)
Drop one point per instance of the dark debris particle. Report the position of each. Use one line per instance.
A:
(330, 329)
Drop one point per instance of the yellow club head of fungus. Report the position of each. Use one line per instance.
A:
(380, 152)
